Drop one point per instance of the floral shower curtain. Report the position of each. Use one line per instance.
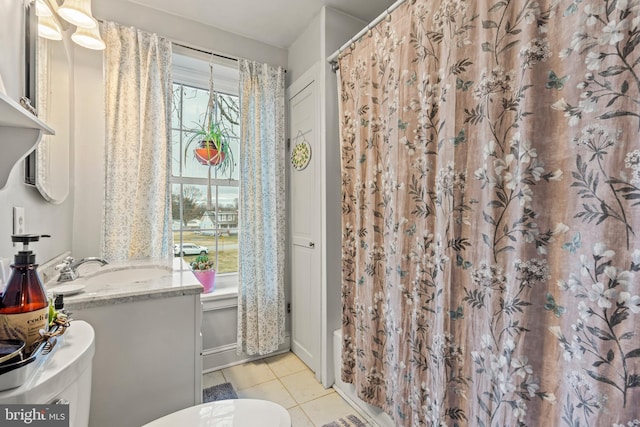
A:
(137, 211)
(491, 213)
(261, 313)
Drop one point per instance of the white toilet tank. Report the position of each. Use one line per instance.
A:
(63, 378)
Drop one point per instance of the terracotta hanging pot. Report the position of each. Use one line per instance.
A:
(207, 155)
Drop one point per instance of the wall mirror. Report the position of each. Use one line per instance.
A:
(54, 107)
(49, 167)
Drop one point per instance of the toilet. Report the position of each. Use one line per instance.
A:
(63, 377)
(228, 413)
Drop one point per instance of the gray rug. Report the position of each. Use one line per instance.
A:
(219, 392)
(348, 421)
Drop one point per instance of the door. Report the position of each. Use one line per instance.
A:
(305, 222)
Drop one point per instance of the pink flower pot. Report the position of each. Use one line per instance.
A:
(206, 278)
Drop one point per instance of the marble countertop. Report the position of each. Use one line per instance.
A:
(119, 283)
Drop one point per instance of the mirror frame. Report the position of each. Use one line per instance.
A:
(30, 79)
(38, 166)
(30, 53)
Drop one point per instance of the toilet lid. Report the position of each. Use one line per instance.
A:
(228, 413)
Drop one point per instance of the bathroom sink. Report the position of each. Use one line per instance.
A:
(126, 275)
(122, 281)
(111, 279)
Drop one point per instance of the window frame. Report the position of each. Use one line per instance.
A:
(193, 72)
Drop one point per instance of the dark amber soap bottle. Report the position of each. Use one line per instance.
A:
(24, 308)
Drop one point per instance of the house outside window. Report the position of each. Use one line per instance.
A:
(200, 226)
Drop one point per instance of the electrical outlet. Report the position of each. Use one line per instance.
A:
(19, 225)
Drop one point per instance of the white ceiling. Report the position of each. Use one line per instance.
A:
(275, 22)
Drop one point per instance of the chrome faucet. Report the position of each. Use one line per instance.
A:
(69, 267)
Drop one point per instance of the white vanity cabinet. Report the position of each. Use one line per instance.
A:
(147, 362)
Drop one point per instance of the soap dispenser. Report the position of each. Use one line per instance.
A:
(24, 308)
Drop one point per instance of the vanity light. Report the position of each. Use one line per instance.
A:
(78, 13)
(89, 37)
(42, 8)
(75, 12)
(48, 28)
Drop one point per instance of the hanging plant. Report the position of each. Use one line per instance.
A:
(212, 147)
(212, 141)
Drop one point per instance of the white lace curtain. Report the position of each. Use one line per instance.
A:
(138, 123)
(261, 313)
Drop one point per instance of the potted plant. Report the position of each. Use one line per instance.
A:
(212, 140)
(212, 146)
(203, 269)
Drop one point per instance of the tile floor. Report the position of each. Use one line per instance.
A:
(284, 379)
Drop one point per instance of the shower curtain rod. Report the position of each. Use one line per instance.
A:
(333, 59)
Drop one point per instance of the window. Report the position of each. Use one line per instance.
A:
(204, 201)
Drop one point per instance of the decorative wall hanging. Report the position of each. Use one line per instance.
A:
(301, 153)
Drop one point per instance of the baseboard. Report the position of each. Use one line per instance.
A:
(217, 358)
(374, 416)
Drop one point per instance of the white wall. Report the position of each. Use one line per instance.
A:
(41, 217)
(11, 42)
(90, 115)
(305, 50)
(329, 30)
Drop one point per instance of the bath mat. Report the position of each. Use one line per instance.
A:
(219, 392)
(348, 421)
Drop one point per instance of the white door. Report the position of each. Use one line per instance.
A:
(305, 224)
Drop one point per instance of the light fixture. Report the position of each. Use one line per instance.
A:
(78, 13)
(48, 28)
(74, 12)
(42, 9)
(89, 37)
